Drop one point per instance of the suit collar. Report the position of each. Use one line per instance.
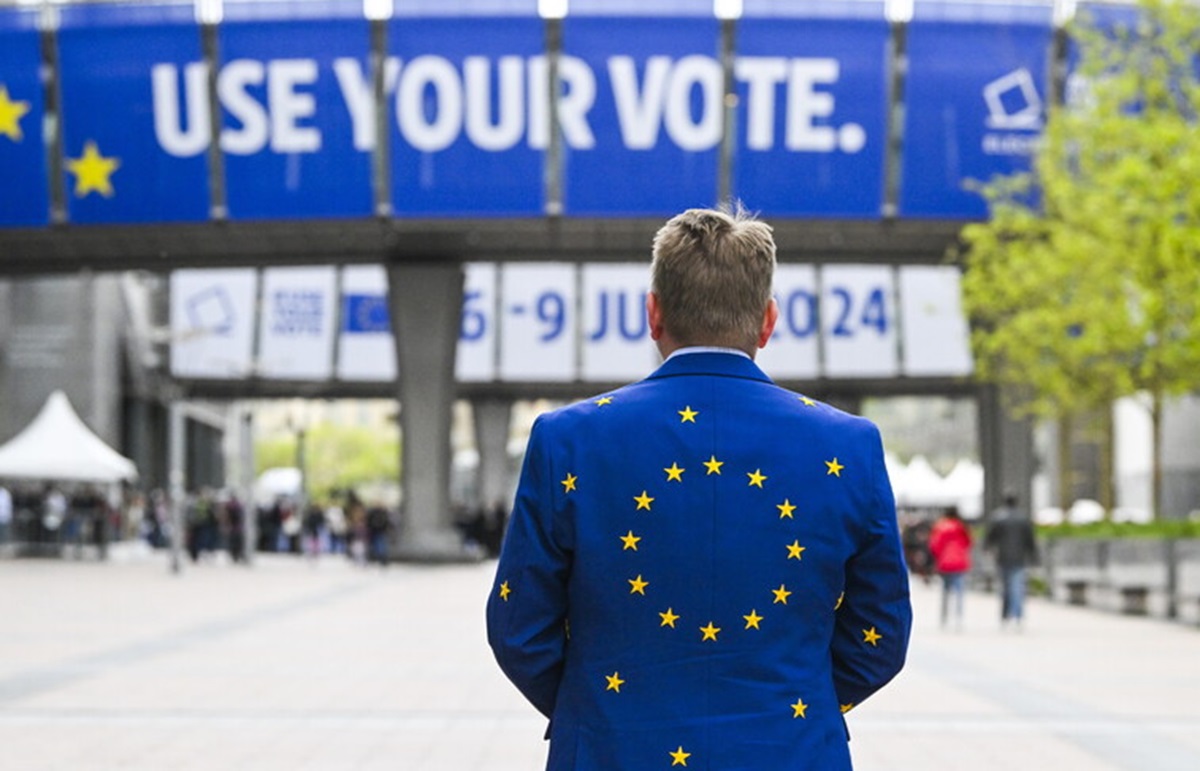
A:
(723, 364)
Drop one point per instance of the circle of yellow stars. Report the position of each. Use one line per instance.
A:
(668, 618)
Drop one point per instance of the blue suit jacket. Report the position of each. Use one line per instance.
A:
(702, 570)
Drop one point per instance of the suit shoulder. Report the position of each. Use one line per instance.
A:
(573, 414)
(823, 412)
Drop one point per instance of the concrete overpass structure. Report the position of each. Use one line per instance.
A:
(254, 135)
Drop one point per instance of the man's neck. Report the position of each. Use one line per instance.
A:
(690, 349)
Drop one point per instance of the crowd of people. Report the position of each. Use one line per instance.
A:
(51, 519)
(59, 518)
(215, 522)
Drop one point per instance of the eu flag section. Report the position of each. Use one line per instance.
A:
(134, 116)
(24, 200)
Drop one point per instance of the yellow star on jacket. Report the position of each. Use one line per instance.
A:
(614, 682)
(92, 171)
(688, 415)
(718, 546)
(11, 112)
(834, 467)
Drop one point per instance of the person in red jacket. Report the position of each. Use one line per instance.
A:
(950, 543)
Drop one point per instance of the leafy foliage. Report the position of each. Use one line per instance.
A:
(336, 457)
(1084, 285)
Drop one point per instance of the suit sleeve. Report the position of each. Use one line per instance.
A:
(527, 608)
(875, 616)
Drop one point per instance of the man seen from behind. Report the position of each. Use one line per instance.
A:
(702, 569)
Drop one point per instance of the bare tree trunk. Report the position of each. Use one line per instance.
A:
(1156, 471)
(1065, 475)
(1108, 492)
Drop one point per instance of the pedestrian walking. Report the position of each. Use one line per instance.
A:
(1011, 539)
(950, 542)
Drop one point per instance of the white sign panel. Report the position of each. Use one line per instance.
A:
(616, 334)
(537, 322)
(792, 350)
(366, 348)
(297, 323)
(476, 354)
(212, 322)
(858, 321)
(933, 327)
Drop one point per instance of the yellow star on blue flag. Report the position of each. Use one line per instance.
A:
(11, 112)
(92, 171)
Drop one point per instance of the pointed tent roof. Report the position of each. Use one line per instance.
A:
(58, 446)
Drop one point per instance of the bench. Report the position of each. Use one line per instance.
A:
(1077, 592)
(1135, 600)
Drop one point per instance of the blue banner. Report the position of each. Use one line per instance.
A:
(468, 100)
(365, 314)
(976, 97)
(24, 200)
(642, 116)
(813, 118)
(134, 115)
(298, 121)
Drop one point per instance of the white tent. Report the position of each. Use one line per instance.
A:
(922, 485)
(57, 446)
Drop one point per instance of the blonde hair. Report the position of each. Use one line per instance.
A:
(712, 272)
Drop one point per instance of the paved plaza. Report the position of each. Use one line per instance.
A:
(294, 665)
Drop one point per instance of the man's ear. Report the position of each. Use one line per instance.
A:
(770, 317)
(654, 316)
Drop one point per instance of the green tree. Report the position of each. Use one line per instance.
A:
(1084, 285)
(336, 457)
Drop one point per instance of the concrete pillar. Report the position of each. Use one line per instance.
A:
(1006, 450)
(425, 302)
(492, 419)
